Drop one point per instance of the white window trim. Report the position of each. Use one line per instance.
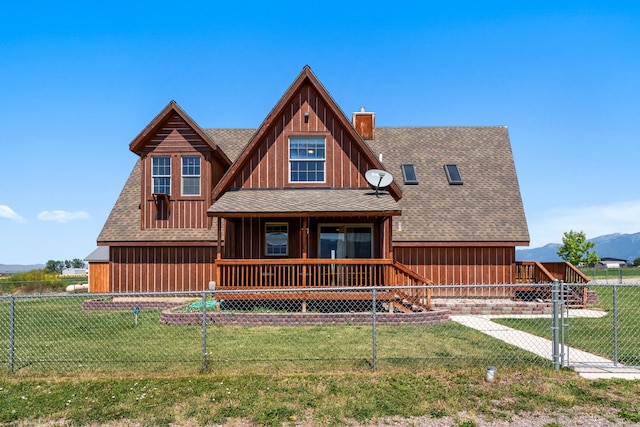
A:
(324, 160)
(153, 176)
(183, 176)
(266, 240)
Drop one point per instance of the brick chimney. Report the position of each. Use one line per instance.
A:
(365, 123)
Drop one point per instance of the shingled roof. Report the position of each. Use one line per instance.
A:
(123, 223)
(487, 207)
(298, 202)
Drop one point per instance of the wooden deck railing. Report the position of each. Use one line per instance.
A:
(547, 272)
(263, 274)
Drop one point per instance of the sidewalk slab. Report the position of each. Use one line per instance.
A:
(586, 364)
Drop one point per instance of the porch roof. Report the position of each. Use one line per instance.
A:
(286, 202)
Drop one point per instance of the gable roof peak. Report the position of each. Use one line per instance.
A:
(306, 76)
(139, 142)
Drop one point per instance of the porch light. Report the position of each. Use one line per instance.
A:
(399, 225)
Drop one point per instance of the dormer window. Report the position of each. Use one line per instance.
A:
(161, 174)
(409, 174)
(306, 159)
(191, 175)
(453, 174)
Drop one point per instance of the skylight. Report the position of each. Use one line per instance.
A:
(453, 174)
(409, 174)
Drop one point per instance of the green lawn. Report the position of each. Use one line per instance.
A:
(80, 367)
(611, 273)
(56, 335)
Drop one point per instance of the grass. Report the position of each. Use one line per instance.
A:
(94, 367)
(54, 335)
(320, 399)
(611, 274)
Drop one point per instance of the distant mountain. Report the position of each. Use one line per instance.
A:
(622, 246)
(17, 268)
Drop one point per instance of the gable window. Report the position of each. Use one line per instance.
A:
(276, 239)
(191, 175)
(306, 159)
(161, 174)
(409, 174)
(453, 174)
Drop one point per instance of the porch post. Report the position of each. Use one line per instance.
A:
(305, 237)
(390, 236)
(305, 250)
(218, 251)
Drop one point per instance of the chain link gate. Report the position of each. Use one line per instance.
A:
(603, 334)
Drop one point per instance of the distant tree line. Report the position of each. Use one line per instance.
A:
(54, 266)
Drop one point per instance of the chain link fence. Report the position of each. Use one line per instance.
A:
(304, 330)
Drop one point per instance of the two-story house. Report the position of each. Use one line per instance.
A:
(283, 204)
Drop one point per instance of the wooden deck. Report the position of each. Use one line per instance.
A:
(318, 276)
(323, 274)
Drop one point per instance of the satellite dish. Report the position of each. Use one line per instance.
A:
(378, 178)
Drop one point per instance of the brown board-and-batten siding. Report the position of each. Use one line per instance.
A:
(176, 139)
(462, 266)
(162, 268)
(268, 166)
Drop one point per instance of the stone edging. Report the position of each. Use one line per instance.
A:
(170, 317)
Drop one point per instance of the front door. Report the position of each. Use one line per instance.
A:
(346, 241)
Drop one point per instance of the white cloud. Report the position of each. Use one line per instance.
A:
(596, 220)
(62, 216)
(8, 213)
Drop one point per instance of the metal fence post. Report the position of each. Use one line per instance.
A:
(563, 345)
(555, 344)
(615, 320)
(373, 324)
(12, 330)
(204, 332)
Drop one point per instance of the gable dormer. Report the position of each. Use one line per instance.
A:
(180, 165)
(305, 142)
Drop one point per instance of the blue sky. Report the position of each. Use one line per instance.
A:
(79, 80)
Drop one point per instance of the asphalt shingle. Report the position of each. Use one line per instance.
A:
(487, 207)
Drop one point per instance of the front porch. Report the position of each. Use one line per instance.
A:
(323, 275)
(407, 290)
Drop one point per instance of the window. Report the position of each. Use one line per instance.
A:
(453, 174)
(306, 159)
(276, 239)
(191, 176)
(409, 174)
(346, 241)
(161, 175)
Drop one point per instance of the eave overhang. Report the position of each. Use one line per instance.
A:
(279, 203)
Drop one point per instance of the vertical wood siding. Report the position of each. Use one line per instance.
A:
(462, 266)
(162, 269)
(269, 165)
(99, 279)
(249, 233)
(176, 139)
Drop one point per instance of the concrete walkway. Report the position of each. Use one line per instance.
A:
(586, 364)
